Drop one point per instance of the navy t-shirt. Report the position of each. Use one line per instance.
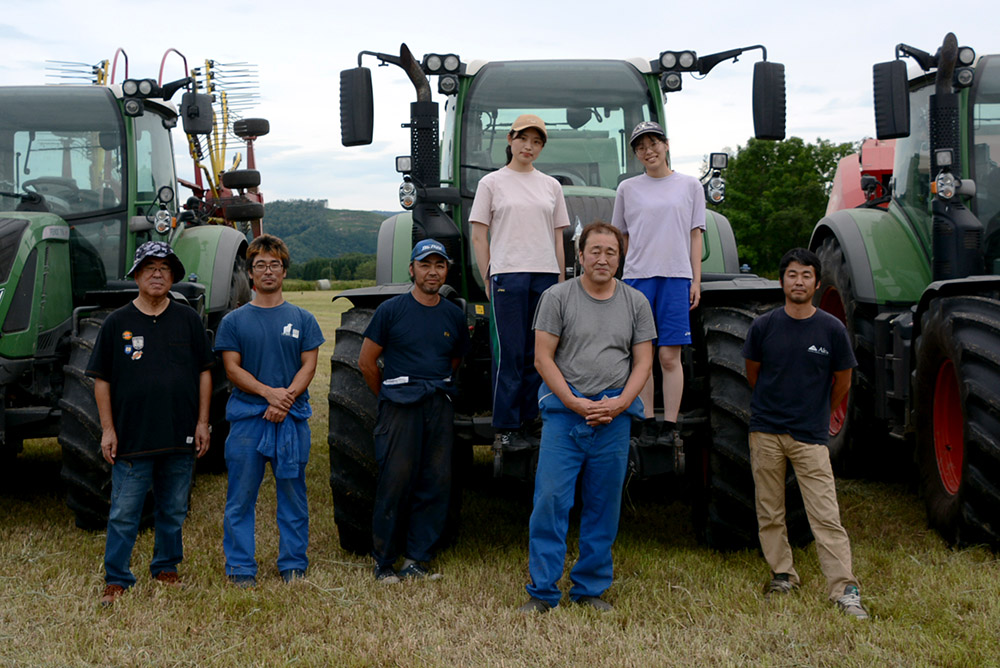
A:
(153, 364)
(419, 342)
(270, 342)
(797, 360)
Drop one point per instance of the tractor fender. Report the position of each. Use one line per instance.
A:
(988, 286)
(208, 253)
(719, 253)
(886, 261)
(395, 241)
(726, 288)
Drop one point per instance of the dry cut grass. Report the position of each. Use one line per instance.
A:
(676, 603)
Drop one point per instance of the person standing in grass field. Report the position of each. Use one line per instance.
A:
(269, 348)
(593, 350)
(421, 339)
(517, 221)
(798, 362)
(662, 215)
(152, 386)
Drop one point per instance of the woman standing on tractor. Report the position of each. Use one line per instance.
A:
(662, 215)
(517, 219)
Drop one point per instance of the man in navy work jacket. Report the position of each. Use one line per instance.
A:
(798, 362)
(421, 338)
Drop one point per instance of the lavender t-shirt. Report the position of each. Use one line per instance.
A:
(523, 210)
(658, 215)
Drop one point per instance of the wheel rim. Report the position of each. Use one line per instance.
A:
(834, 305)
(948, 427)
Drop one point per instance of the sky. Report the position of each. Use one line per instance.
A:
(300, 47)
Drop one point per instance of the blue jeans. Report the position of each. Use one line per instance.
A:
(170, 477)
(413, 444)
(598, 455)
(246, 472)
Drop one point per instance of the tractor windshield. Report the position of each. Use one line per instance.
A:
(589, 109)
(986, 142)
(60, 150)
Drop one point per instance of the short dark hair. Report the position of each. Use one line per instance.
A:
(268, 243)
(803, 256)
(600, 227)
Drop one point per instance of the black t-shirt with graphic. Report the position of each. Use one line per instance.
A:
(153, 365)
(797, 358)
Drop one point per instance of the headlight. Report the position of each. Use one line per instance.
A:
(130, 87)
(447, 84)
(716, 189)
(668, 59)
(966, 55)
(686, 59)
(945, 185)
(407, 194)
(671, 82)
(451, 63)
(433, 62)
(146, 87)
(133, 107)
(161, 221)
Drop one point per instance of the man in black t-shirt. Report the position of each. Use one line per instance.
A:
(152, 385)
(422, 339)
(798, 362)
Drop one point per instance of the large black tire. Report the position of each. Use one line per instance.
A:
(352, 448)
(85, 475)
(725, 513)
(214, 461)
(251, 127)
(241, 178)
(957, 417)
(855, 432)
(243, 211)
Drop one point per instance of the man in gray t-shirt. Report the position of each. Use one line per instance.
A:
(593, 351)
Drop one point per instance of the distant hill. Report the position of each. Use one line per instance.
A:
(311, 230)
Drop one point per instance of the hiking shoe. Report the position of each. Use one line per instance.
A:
(244, 581)
(668, 438)
(111, 594)
(385, 575)
(649, 430)
(779, 584)
(595, 602)
(850, 603)
(293, 574)
(169, 578)
(414, 570)
(535, 605)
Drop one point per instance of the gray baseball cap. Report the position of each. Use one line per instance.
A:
(647, 128)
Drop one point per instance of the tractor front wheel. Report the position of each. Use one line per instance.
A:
(957, 417)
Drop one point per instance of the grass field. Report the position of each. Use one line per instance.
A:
(676, 603)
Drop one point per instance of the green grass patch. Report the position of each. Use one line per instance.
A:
(676, 602)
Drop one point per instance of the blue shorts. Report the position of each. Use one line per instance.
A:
(670, 299)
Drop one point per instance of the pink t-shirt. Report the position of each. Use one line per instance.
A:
(658, 215)
(523, 210)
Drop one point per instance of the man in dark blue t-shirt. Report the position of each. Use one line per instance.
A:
(798, 362)
(421, 338)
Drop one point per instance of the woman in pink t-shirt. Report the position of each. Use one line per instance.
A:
(517, 219)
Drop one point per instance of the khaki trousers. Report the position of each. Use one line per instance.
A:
(811, 462)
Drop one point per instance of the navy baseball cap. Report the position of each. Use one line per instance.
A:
(428, 247)
(647, 128)
(158, 249)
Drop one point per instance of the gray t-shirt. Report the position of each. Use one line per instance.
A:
(595, 336)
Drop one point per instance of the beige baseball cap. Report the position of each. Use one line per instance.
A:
(525, 121)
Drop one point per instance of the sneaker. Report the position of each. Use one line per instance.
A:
(111, 594)
(595, 602)
(850, 603)
(414, 570)
(501, 441)
(535, 605)
(385, 575)
(779, 584)
(244, 581)
(293, 574)
(169, 578)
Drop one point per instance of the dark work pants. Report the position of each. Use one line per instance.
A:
(513, 298)
(413, 451)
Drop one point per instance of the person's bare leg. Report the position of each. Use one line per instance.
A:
(673, 381)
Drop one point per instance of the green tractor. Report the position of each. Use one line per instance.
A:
(86, 176)
(914, 272)
(589, 108)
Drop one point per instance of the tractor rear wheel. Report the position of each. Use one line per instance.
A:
(85, 474)
(725, 513)
(855, 433)
(352, 447)
(957, 417)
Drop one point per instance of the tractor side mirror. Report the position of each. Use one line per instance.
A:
(357, 107)
(892, 100)
(196, 113)
(769, 100)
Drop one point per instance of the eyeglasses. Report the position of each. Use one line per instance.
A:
(264, 266)
(157, 269)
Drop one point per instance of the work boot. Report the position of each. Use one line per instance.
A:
(595, 602)
(291, 574)
(244, 581)
(535, 605)
(668, 437)
(169, 578)
(111, 594)
(649, 430)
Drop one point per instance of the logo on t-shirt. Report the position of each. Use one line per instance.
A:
(819, 351)
(290, 331)
(138, 342)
